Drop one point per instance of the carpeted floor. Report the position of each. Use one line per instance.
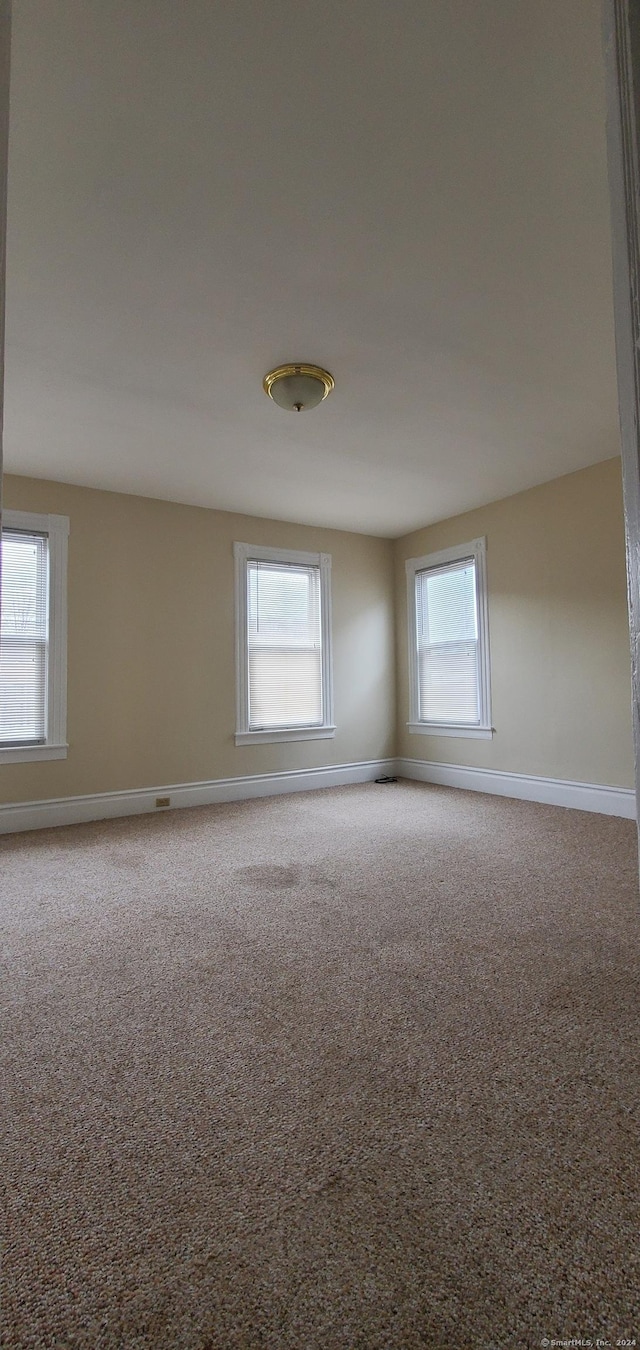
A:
(354, 1069)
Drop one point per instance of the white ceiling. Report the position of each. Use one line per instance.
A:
(412, 194)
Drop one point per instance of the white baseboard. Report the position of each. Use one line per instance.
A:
(607, 801)
(610, 801)
(107, 805)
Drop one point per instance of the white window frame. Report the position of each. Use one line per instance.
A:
(243, 554)
(57, 530)
(482, 730)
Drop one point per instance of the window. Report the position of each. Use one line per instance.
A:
(33, 637)
(283, 623)
(449, 642)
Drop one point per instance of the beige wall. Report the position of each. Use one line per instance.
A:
(559, 631)
(151, 694)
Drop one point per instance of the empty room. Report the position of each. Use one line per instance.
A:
(318, 845)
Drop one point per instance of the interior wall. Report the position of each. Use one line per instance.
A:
(559, 632)
(151, 692)
(151, 683)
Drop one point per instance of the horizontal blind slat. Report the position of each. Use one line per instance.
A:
(284, 645)
(23, 637)
(448, 680)
(447, 634)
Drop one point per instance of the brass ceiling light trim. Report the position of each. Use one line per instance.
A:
(298, 386)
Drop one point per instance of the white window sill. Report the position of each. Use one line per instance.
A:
(21, 754)
(287, 734)
(468, 733)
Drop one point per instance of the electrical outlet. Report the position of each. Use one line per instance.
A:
(163, 801)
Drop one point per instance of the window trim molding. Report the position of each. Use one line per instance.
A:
(57, 530)
(483, 730)
(462, 729)
(245, 735)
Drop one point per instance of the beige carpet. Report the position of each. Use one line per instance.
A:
(354, 1068)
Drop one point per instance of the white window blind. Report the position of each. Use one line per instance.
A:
(284, 634)
(23, 638)
(447, 640)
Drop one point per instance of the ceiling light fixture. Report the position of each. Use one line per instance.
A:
(298, 387)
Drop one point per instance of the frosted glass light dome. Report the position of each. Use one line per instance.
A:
(298, 387)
